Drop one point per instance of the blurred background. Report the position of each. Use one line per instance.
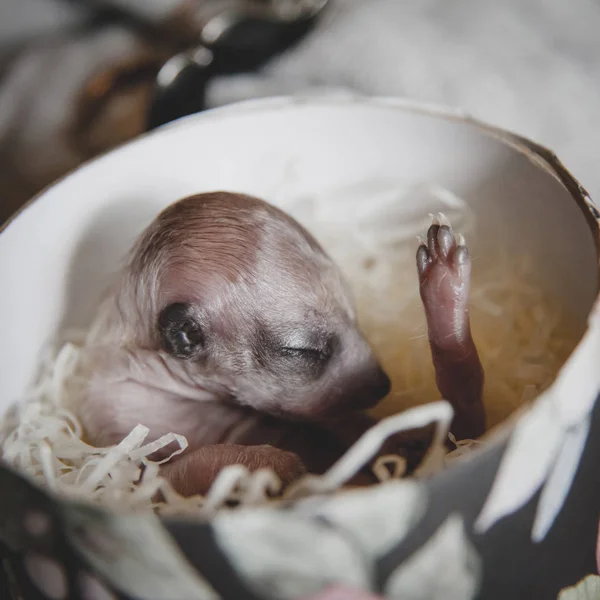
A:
(78, 77)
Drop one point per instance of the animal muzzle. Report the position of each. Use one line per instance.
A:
(367, 389)
(360, 390)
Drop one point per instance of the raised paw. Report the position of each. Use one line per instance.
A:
(444, 269)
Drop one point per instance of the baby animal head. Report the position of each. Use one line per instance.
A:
(249, 301)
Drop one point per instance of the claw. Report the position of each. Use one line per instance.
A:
(434, 218)
(443, 220)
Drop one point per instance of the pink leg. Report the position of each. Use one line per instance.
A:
(444, 273)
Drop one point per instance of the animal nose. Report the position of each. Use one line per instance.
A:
(382, 384)
(374, 387)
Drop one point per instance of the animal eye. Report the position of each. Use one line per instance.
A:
(180, 333)
(313, 355)
(310, 361)
(189, 335)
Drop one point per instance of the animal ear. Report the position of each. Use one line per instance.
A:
(179, 331)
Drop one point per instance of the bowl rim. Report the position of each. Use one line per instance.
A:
(542, 156)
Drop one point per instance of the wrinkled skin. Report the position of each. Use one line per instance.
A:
(231, 326)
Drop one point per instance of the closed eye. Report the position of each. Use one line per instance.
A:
(303, 358)
(312, 353)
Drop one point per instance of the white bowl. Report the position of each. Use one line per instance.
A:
(57, 255)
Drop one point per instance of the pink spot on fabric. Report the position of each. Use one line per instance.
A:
(344, 593)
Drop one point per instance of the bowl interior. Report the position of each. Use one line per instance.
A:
(58, 255)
